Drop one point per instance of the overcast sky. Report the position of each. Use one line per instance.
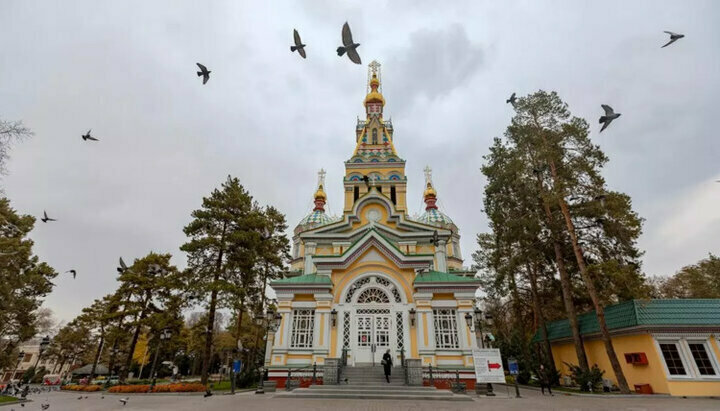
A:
(127, 70)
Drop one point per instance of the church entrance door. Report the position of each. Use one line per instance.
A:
(373, 335)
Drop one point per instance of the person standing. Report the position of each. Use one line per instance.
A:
(544, 380)
(387, 364)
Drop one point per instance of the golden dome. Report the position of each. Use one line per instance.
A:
(374, 96)
(320, 193)
(429, 191)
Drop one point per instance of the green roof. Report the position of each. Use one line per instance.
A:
(304, 279)
(438, 277)
(660, 312)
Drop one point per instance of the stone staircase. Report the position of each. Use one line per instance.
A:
(368, 383)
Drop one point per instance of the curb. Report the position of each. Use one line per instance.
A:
(14, 402)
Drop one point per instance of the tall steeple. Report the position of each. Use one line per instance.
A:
(374, 158)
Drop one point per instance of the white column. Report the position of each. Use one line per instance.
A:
(441, 256)
(309, 252)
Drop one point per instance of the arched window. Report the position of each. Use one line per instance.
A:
(374, 136)
(373, 295)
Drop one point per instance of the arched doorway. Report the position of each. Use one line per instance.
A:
(374, 319)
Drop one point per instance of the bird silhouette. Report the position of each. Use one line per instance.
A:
(44, 406)
(609, 116)
(73, 272)
(299, 46)
(349, 46)
(204, 73)
(511, 100)
(124, 400)
(673, 38)
(45, 218)
(366, 179)
(435, 238)
(80, 397)
(87, 136)
(208, 393)
(122, 267)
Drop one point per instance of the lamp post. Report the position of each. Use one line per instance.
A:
(479, 328)
(43, 346)
(270, 319)
(21, 355)
(165, 334)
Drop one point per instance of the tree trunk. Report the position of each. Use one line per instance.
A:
(97, 356)
(622, 382)
(136, 335)
(211, 312)
(538, 312)
(565, 286)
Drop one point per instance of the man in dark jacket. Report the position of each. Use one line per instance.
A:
(387, 364)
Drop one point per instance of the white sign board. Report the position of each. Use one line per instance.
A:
(488, 365)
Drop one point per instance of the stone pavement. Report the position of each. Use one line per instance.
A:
(532, 400)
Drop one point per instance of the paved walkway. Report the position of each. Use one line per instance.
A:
(65, 401)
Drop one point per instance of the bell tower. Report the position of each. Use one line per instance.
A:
(375, 165)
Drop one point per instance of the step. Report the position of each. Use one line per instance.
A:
(359, 390)
(375, 396)
(386, 387)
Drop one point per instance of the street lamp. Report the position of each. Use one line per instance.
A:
(165, 334)
(413, 315)
(479, 329)
(43, 346)
(271, 319)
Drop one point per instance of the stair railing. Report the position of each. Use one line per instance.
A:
(295, 382)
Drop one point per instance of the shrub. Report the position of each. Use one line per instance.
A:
(523, 377)
(179, 387)
(129, 388)
(586, 379)
(76, 387)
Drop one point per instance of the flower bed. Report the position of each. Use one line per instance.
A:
(179, 387)
(76, 387)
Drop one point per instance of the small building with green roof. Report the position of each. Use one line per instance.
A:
(666, 346)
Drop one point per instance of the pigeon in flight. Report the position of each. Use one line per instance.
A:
(73, 272)
(673, 38)
(122, 267)
(124, 400)
(204, 73)
(87, 136)
(299, 46)
(511, 100)
(45, 218)
(349, 46)
(609, 116)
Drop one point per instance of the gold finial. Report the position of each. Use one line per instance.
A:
(320, 193)
(429, 190)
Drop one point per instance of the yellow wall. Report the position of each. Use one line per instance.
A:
(653, 373)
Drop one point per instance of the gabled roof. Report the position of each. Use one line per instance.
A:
(659, 313)
(436, 277)
(310, 279)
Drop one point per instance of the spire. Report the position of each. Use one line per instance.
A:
(320, 196)
(374, 101)
(430, 195)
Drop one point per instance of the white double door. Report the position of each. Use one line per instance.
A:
(373, 335)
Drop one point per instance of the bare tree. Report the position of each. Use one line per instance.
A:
(10, 132)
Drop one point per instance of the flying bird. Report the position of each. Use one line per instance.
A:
(73, 272)
(511, 100)
(124, 400)
(204, 73)
(45, 218)
(609, 116)
(673, 38)
(349, 46)
(122, 267)
(87, 136)
(299, 46)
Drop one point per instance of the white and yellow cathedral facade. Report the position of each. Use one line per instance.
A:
(374, 278)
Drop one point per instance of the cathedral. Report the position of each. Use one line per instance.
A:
(375, 278)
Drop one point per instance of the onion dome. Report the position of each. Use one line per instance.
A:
(432, 215)
(317, 216)
(374, 96)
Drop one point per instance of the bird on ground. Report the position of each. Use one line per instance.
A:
(86, 397)
(80, 397)
(511, 100)
(346, 381)
(673, 38)
(73, 272)
(87, 136)
(124, 400)
(609, 116)
(122, 267)
(204, 73)
(44, 406)
(208, 393)
(45, 218)
(349, 46)
(299, 46)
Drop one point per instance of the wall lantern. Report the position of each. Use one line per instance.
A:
(333, 317)
(413, 315)
(469, 320)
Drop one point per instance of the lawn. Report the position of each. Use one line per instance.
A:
(5, 398)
